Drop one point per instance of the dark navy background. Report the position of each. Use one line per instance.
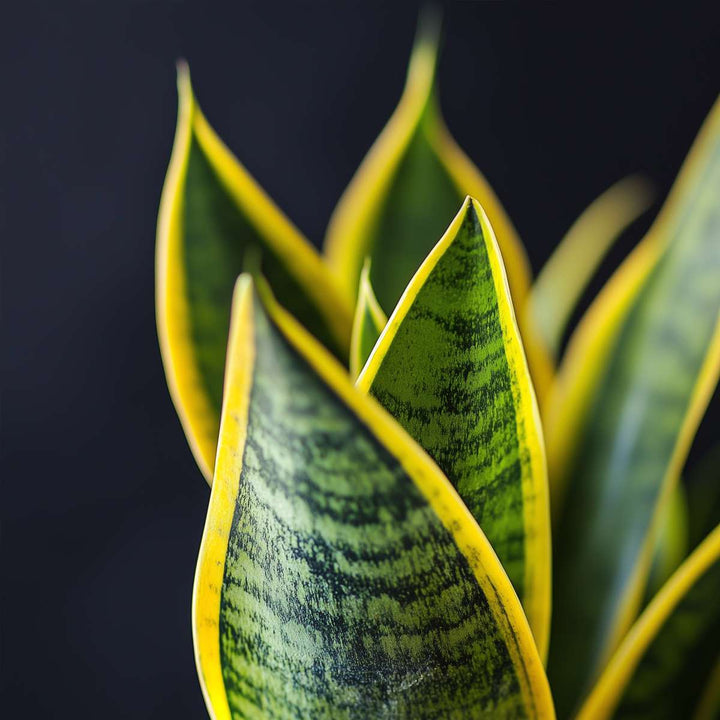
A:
(102, 506)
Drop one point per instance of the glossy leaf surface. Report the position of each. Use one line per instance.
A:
(214, 222)
(339, 574)
(564, 277)
(660, 670)
(368, 323)
(656, 385)
(450, 368)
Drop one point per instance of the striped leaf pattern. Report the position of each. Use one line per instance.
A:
(656, 385)
(451, 369)
(340, 576)
(215, 222)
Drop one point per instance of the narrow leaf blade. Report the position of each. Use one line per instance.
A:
(368, 323)
(654, 389)
(397, 204)
(665, 661)
(214, 221)
(564, 277)
(450, 368)
(339, 573)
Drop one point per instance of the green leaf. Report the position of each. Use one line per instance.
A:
(369, 322)
(214, 220)
(702, 486)
(450, 368)
(399, 201)
(664, 663)
(566, 274)
(657, 382)
(671, 542)
(340, 576)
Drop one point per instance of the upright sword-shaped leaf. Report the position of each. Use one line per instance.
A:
(656, 384)
(450, 368)
(666, 660)
(340, 575)
(214, 222)
(399, 201)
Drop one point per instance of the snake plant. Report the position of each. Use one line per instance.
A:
(392, 436)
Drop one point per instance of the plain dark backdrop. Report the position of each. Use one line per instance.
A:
(102, 505)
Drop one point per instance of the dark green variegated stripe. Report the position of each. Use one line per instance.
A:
(645, 411)
(662, 668)
(342, 593)
(450, 368)
(214, 223)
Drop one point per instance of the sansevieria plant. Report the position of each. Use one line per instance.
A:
(392, 439)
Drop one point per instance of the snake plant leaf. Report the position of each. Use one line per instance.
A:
(566, 274)
(340, 575)
(671, 541)
(369, 322)
(657, 383)
(450, 368)
(703, 496)
(399, 201)
(213, 221)
(663, 664)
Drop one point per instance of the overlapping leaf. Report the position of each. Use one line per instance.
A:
(340, 575)
(368, 323)
(398, 204)
(657, 380)
(664, 665)
(451, 369)
(214, 222)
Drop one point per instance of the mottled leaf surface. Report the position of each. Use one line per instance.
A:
(663, 666)
(340, 576)
(653, 392)
(451, 369)
(215, 222)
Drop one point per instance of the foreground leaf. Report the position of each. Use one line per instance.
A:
(340, 575)
(656, 385)
(665, 662)
(450, 368)
(399, 201)
(566, 274)
(215, 221)
(368, 323)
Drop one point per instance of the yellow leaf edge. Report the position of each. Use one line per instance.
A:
(703, 389)
(565, 275)
(172, 310)
(428, 478)
(535, 483)
(366, 303)
(608, 690)
(592, 341)
(354, 211)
